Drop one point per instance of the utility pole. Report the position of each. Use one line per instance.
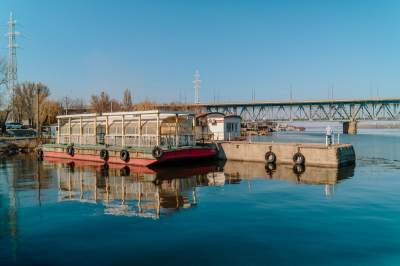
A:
(12, 60)
(196, 86)
(37, 111)
(66, 99)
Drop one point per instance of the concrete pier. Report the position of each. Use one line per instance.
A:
(314, 154)
(350, 127)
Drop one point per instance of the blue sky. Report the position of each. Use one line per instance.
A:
(80, 47)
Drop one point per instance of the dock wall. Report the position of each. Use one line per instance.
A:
(315, 154)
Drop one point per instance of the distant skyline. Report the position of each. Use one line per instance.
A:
(79, 48)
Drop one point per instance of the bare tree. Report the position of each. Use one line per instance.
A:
(25, 100)
(4, 106)
(127, 103)
(69, 104)
(101, 103)
(48, 112)
(115, 106)
(145, 105)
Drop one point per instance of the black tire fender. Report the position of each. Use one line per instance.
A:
(71, 151)
(157, 152)
(39, 154)
(124, 155)
(104, 154)
(298, 158)
(270, 157)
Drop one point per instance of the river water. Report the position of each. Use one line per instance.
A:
(57, 213)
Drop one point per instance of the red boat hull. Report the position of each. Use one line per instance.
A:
(169, 156)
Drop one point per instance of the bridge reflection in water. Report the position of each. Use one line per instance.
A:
(154, 193)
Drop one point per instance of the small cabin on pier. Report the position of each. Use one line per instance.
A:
(128, 129)
(218, 126)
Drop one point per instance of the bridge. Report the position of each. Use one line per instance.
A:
(347, 111)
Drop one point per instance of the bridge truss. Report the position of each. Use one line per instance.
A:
(313, 110)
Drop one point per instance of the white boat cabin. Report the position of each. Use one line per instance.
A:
(128, 129)
(218, 126)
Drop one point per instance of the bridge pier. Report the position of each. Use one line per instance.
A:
(350, 127)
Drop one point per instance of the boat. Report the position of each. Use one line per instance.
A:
(141, 138)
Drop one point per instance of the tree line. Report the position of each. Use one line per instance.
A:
(28, 95)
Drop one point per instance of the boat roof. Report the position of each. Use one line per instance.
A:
(210, 114)
(148, 113)
(218, 114)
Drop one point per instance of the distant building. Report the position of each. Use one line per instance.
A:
(218, 126)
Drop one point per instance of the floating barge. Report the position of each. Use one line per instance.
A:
(132, 138)
(303, 154)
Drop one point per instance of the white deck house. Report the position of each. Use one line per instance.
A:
(128, 129)
(218, 126)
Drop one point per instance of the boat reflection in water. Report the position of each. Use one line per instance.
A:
(151, 193)
(131, 191)
(298, 173)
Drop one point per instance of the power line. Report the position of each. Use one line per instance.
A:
(12, 77)
(196, 86)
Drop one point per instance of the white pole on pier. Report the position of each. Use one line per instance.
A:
(80, 131)
(158, 128)
(123, 131)
(69, 130)
(140, 130)
(58, 130)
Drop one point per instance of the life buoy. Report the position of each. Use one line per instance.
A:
(39, 154)
(104, 154)
(157, 152)
(124, 155)
(270, 157)
(299, 158)
(71, 150)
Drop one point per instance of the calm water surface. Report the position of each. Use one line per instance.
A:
(55, 213)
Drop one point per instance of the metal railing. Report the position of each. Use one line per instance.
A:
(78, 139)
(130, 140)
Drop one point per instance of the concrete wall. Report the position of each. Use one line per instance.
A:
(315, 154)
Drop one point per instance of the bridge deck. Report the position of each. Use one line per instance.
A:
(311, 110)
